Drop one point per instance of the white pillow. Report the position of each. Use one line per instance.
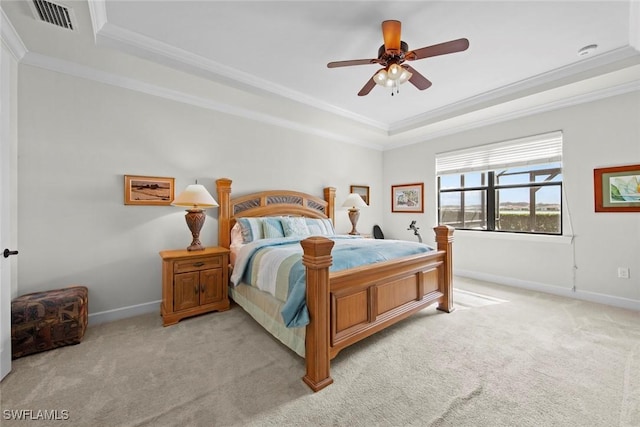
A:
(320, 227)
(295, 227)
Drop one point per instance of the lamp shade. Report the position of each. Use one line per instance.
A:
(195, 196)
(354, 200)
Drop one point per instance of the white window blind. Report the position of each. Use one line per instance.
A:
(537, 149)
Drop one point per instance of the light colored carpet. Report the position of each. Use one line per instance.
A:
(506, 357)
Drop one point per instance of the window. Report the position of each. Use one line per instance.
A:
(513, 186)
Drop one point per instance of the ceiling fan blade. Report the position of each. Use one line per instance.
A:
(391, 31)
(368, 86)
(438, 49)
(352, 62)
(417, 79)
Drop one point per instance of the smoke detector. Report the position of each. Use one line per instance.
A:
(53, 13)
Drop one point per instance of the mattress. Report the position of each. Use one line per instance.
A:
(265, 309)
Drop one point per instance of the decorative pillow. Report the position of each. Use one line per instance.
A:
(320, 227)
(236, 243)
(272, 227)
(294, 226)
(251, 229)
(236, 235)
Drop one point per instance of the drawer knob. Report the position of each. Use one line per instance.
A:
(198, 264)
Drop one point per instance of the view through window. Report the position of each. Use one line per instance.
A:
(503, 187)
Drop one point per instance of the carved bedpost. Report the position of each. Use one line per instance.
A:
(330, 198)
(444, 239)
(224, 198)
(317, 260)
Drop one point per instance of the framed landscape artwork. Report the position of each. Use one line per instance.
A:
(407, 198)
(617, 189)
(362, 190)
(148, 190)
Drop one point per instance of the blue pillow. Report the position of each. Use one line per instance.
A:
(251, 229)
(272, 227)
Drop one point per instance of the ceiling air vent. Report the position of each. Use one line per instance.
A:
(53, 13)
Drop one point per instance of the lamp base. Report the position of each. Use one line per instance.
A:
(354, 214)
(195, 220)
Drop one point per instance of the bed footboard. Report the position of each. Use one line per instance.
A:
(347, 306)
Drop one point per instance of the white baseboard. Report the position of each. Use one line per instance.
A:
(154, 306)
(5, 362)
(551, 289)
(124, 312)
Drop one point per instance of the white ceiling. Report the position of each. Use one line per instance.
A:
(522, 54)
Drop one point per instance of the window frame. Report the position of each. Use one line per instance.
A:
(490, 196)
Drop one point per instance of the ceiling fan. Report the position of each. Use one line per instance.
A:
(392, 55)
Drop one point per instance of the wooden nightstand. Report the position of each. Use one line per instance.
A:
(193, 282)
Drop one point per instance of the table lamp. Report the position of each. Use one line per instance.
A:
(354, 202)
(196, 198)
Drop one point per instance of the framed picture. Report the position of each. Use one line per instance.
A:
(617, 189)
(362, 190)
(407, 198)
(148, 190)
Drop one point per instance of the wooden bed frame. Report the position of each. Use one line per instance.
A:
(349, 305)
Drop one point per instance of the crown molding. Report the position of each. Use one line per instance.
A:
(10, 37)
(140, 45)
(89, 73)
(523, 112)
(623, 56)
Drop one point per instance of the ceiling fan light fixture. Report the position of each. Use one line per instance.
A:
(395, 76)
(392, 77)
(381, 77)
(404, 76)
(394, 71)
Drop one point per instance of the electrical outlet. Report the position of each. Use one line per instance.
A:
(623, 272)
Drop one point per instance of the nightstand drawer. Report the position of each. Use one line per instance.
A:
(197, 264)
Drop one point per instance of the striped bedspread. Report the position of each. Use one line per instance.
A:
(275, 266)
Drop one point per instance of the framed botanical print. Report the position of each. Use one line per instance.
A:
(617, 189)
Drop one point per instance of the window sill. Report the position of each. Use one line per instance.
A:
(521, 237)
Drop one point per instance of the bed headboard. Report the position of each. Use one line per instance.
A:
(268, 203)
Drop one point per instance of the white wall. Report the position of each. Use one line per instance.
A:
(597, 134)
(77, 138)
